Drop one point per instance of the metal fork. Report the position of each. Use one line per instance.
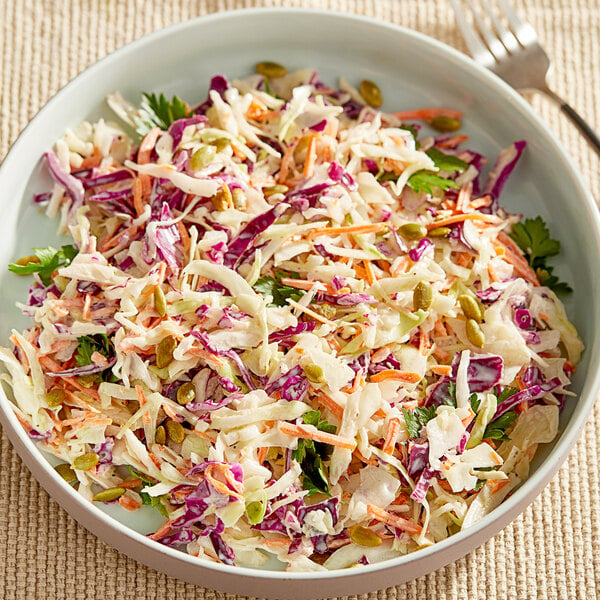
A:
(513, 53)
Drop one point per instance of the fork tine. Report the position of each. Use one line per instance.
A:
(493, 43)
(476, 47)
(524, 32)
(506, 37)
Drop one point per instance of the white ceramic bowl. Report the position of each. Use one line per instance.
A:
(413, 71)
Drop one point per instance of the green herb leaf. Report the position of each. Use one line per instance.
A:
(475, 402)
(506, 393)
(417, 419)
(145, 478)
(446, 162)
(280, 293)
(155, 502)
(450, 400)
(496, 430)
(50, 259)
(88, 344)
(533, 237)
(157, 111)
(426, 181)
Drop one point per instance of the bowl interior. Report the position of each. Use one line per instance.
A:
(412, 72)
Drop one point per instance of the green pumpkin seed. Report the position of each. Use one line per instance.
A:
(470, 307)
(65, 471)
(56, 397)
(61, 283)
(363, 536)
(301, 146)
(256, 512)
(88, 381)
(164, 351)
(275, 189)
(239, 199)
(25, 260)
(202, 157)
(221, 144)
(371, 93)
(175, 431)
(85, 462)
(186, 393)
(474, 333)
(412, 231)
(271, 69)
(445, 124)
(160, 435)
(440, 232)
(160, 302)
(108, 495)
(314, 373)
(422, 296)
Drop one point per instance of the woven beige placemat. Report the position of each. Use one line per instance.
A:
(550, 552)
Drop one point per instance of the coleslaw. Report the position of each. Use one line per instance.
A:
(292, 323)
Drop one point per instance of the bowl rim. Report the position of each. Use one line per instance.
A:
(516, 503)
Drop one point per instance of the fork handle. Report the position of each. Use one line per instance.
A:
(588, 133)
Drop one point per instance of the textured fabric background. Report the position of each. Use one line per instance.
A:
(550, 552)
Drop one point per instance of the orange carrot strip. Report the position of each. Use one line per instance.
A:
(309, 432)
(300, 284)
(370, 276)
(464, 197)
(185, 236)
(368, 461)
(463, 217)
(393, 520)
(390, 436)
(129, 503)
(330, 404)
(441, 369)
(147, 145)
(162, 530)
(109, 243)
(453, 141)
(428, 113)
(311, 157)
(369, 228)
(93, 160)
(86, 307)
(480, 202)
(423, 342)
(262, 454)
(407, 376)
(138, 202)
(131, 483)
(284, 167)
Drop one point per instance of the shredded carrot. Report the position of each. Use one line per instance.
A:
(393, 520)
(131, 483)
(284, 166)
(300, 284)
(138, 202)
(406, 376)
(463, 217)
(185, 236)
(440, 329)
(492, 273)
(495, 485)
(128, 503)
(391, 435)
(330, 404)
(452, 141)
(111, 242)
(368, 461)
(262, 454)
(424, 344)
(255, 110)
(162, 530)
(93, 160)
(480, 202)
(464, 197)
(441, 369)
(440, 354)
(370, 277)
(309, 432)
(311, 157)
(428, 113)
(86, 307)
(147, 145)
(277, 541)
(219, 485)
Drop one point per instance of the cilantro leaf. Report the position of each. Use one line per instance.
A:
(533, 237)
(157, 111)
(506, 393)
(425, 181)
(413, 131)
(48, 261)
(88, 344)
(272, 286)
(417, 419)
(155, 502)
(475, 402)
(450, 400)
(446, 162)
(496, 430)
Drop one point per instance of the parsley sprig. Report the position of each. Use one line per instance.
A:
(417, 418)
(158, 111)
(533, 237)
(311, 455)
(280, 293)
(88, 344)
(48, 261)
